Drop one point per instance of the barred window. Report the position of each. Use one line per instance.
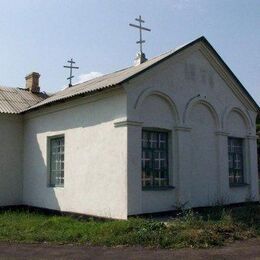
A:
(154, 159)
(235, 159)
(57, 161)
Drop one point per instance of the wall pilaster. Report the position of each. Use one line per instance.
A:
(184, 171)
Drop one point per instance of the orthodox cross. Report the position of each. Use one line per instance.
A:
(140, 27)
(71, 67)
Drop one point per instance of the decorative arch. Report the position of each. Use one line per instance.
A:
(150, 92)
(246, 117)
(198, 100)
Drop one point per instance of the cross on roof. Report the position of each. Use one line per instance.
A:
(71, 67)
(141, 28)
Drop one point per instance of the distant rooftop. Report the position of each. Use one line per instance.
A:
(15, 100)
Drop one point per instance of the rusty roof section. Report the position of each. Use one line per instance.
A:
(16, 100)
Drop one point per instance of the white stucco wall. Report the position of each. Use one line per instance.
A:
(190, 96)
(95, 156)
(200, 97)
(11, 134)
(204, 172)
(155, 113)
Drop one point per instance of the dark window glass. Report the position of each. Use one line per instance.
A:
(57, 161)
(154, 159)
(235, 161)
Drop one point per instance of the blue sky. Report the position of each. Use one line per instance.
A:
(38, 35)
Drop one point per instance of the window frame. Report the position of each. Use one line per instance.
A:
(242, 154)
(153, 150)
(49, 154)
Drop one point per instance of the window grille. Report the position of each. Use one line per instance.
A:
(57, 161)
(235, 161)
(154, 159)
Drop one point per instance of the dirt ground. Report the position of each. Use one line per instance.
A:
(249, 249)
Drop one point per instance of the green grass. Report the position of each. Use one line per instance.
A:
(210, 228)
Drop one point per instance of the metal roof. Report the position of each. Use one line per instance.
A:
(124, 75)
(16, 100)
(100, 83)
(121, 76)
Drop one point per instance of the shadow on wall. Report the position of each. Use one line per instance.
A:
(10, 160)
(37, 191)
(84, 115)
(84, 127)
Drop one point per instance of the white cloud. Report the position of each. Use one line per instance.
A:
(84, 77)
(88, 76)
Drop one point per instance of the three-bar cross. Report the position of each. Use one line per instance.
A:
(71, 67)
(140, 27)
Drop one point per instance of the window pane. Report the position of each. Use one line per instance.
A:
(160, 160)
(147, 159)
(231, 177)
(153, 140)
(145, 139)
(235, 156)
(238, 161)
(154, 159)
(147, 179)
(160, 178)
(162, 140)
(238, 177)
(229, 145)
(57, 161)
(230, 161)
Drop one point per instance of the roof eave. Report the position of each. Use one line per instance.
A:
(200, 39)
(89, 93)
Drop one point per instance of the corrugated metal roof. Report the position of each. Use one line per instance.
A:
(16, 100)
(124, 75)
(110, 80)
(100, 83)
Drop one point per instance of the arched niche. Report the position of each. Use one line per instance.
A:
(203, 120)
(156, 109)
(193, 104)
(236, 122)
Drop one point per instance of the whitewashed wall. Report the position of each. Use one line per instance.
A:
(192, 96)
(11, 135)
(95, 157)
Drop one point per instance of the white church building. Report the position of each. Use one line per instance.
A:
(176, 130)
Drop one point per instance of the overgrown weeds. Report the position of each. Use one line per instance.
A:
(209, 228)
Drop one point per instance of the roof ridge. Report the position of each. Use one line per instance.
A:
(121, 70)
(112, 79)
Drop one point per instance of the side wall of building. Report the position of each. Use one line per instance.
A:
(95, 156)
(192, 98)
(11, 136)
